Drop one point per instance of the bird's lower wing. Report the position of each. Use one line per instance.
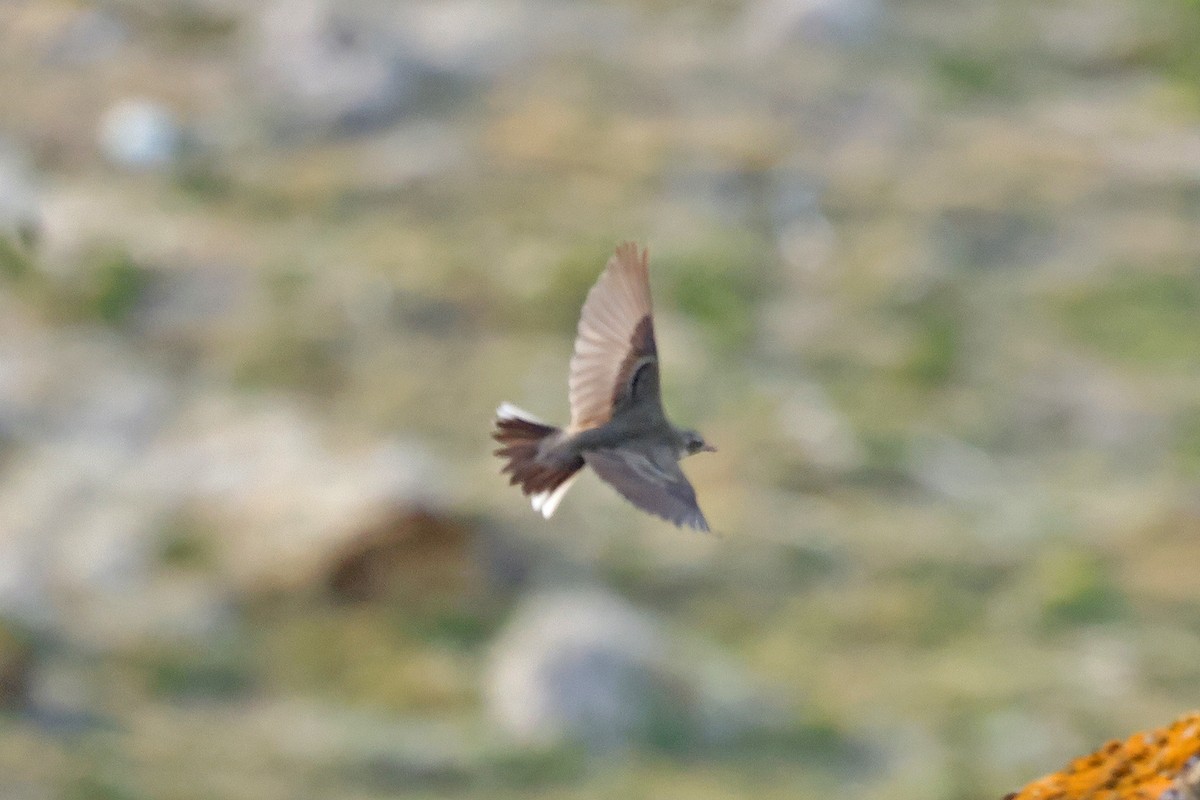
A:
(660, 488)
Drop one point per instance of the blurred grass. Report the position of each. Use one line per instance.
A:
(207, 674)
(1145, 318)
(719, 284)
(369, 657)
(937, 316)
(1075, 588)
(964, 76)
(898, 619)
(1187, 441)
(186, 543)
(15, 261)
(1177, 22)
(115, 287)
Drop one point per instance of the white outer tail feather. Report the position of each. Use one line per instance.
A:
(507, 410)
(545, 503)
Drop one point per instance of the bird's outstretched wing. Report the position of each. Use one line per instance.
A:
(615, 360)
(652, 484)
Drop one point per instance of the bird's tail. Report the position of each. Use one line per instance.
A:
(520, 435)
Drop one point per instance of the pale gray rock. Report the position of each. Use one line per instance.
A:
(584, 666)
(413, 152)
(78, 415)
(267, 467)
(92, 37)
(1096, 406)
(476, 40)
(1087, 35)
(578, 666)
(138, 133)
(105, 452)
(823, 435)
(725, 193)
(804, 236)
(188, 302)
(323, 66)
(956, 470)
(1109, 665)
(20, 195)
(982, 239)
(773, 24)
(470, 38)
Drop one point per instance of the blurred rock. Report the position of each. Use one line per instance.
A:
(1090, 36)
(265, 467)
(418, 555)
(580, 666)
(584, 666)
(1094, 405)
(81, 521)
(727, 193)
(104, 452)
(954, 469)
(803, 234)
(152, 606)
(470, 37)
(772, 24)
(480, 39)
(823, 434)
(20, 216)
(324, 66)
(92, 36)
(79, 414)
(1109, 665)
(140, 134)
(188, 303)
(412, 152)
(984, 238)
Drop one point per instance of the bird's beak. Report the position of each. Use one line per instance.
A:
(708, 448)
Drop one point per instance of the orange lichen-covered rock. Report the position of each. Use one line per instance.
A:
(1163, 764)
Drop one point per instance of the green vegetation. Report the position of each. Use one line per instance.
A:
(1076, 587)
(969, 224)
(115, 287)
(719, 284)
(965, 76)
(1186, 436)
(15, 262)
(1142, 317)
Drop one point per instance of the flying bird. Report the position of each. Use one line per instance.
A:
(618, 426)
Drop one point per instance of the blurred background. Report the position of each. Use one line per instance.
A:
(926, 271)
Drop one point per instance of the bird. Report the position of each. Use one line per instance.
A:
(618, 425)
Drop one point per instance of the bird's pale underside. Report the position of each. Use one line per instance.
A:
(618, 426)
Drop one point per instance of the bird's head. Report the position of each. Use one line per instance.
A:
(692, 442)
